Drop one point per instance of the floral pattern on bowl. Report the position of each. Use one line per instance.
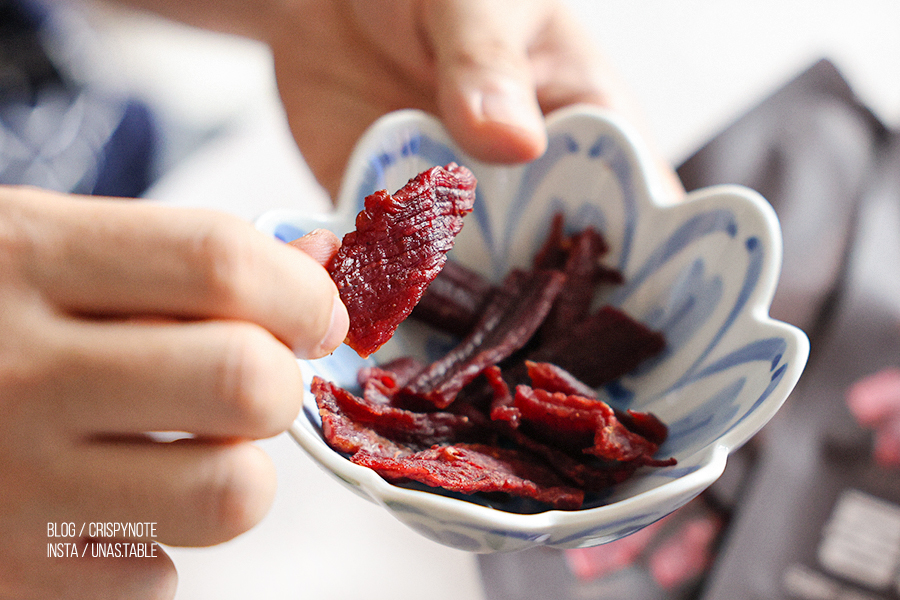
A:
(703, 271)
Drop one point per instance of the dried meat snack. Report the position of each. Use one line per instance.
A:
(454, 301)
(579, 423)
(401, 426)
(503, 406)
(558, 248)
(511, 318)
(603, 347)
(552, 254)
(455, 423)
(471, 468)
(342, 433)
(588, 475)
(553, 378)
(566, 421)
(398, 247)
(584, 273)
(381, 383)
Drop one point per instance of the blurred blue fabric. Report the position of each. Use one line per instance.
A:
(57, 132)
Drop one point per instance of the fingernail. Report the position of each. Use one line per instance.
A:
(337, 329)
(508, 105)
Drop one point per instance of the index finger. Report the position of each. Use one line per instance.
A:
(111, 258)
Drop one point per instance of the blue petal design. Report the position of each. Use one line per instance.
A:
(751, 278)
(558, 147)
(692, 301)
(706, 422)
(695, 228)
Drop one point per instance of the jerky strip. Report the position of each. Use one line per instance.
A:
(511, 318)
(604, 347)
(398, 425)
(552, 255)
(583, 274)
(567, 422)
(588, 476)
(503, 406)
(341, 433)
(572, 421)
(471, 468)
(454, 301)
(399, 246)
(552, 378)
(381, 383)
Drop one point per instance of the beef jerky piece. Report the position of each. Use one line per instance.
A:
(583, 274)
(552, 378)
(576, 422)
(399, 246)
(502, 403)
(454, 301)
(344, 435)
(515, 312)
(558, 246)
(614, 441)
(645, 424)
(566, 422)
(552, 255)
(403, 368)
(381, 383)
(603, 348)
(610, 275)
(379, 386)
(471, 468)
(396, 424)
(585, 474)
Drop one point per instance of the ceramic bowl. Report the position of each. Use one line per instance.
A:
(703, 271)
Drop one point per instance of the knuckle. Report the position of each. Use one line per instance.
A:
(258, 378)
(226, 259)
(27, 368)
(242, 491)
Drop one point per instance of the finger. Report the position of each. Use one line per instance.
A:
(107, 257)
(198, 493)
(150, 577)
(320, 244)
(29, 570)
(486, 89)
(211, 378)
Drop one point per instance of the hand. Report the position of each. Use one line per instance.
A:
(487, 69)
(118, 319)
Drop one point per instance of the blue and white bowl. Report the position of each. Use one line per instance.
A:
(703, 271)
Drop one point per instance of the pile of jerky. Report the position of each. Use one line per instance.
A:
(511, 410)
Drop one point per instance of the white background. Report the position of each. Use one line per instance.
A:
(695, 65)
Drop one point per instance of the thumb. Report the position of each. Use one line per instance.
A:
(486, 89)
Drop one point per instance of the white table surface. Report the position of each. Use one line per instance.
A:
(695, 65)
